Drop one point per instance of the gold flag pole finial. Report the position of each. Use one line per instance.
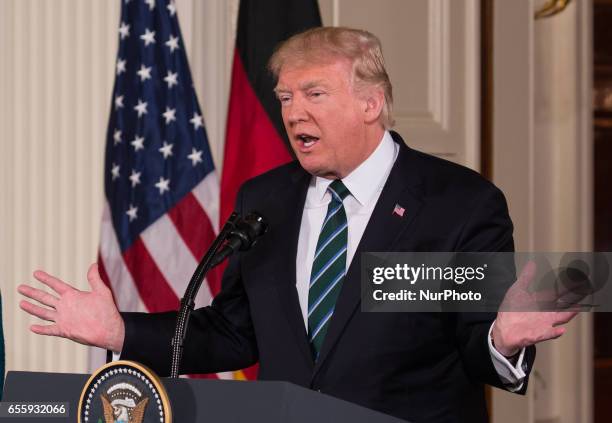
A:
(551, 8)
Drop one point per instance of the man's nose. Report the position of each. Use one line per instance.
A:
(296, 112)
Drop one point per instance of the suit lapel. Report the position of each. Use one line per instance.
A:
(383, 230)
(293, 196)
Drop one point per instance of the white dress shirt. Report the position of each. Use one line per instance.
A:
(365, 184)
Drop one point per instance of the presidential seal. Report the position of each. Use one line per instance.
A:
(124, 392)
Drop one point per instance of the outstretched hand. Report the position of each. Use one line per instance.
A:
(87, 317)
(514, 330)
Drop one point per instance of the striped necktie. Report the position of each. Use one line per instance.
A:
(328, 268)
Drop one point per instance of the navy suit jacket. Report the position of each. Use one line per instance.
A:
(423, 367)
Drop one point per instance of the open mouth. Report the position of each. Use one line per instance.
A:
(307, 140)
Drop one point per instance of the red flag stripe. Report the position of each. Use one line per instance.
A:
(252, 146)
(121, 282)
(194, 226)
(173, 258)
(103, 274)
(207, 195)
(152, 287)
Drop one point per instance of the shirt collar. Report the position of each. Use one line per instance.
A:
(369, 177)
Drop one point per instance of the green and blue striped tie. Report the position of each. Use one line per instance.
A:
(328, 268)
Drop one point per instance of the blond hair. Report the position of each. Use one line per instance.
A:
(324, 44)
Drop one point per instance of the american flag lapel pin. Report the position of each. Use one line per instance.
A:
(399, 210)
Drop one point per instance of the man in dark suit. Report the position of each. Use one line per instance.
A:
(292, 302)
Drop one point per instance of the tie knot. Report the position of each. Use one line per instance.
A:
(338, 191)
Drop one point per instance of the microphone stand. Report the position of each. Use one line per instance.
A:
(188, 300)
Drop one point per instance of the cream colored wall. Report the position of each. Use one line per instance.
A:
(562, 129)
(56, 77)
(543, 163)
(57, 64)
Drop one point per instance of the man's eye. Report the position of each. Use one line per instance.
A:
(316, 94)
(284, 99)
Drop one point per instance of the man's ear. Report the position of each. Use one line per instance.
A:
(374, 102)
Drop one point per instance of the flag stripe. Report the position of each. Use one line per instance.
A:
(104, 275)
(192, 223)
(253, 145)
(122, 284)
(174, 260)
(152, 287)
(262, 25)
(207, 194)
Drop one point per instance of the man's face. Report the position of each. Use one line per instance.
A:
(323, 117)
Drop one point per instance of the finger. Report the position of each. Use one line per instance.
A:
(94, 278)
(555, 333)
(52, 282)
(49, 330)
(563, 317)
(38, 295)
(40, 312)
(546, 335)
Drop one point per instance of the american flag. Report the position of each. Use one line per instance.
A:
(399, 210)
(162, 191)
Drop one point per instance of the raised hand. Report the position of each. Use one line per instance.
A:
(514, 330)
(87, 317)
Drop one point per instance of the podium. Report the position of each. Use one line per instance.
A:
(202, 400)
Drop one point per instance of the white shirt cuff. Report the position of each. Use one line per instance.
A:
(513, 376)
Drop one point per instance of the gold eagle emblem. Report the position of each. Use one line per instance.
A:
(120, 405)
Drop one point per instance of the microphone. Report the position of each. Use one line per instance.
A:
(244, 235)
(236, 234)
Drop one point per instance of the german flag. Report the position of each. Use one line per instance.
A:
(256, 140)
